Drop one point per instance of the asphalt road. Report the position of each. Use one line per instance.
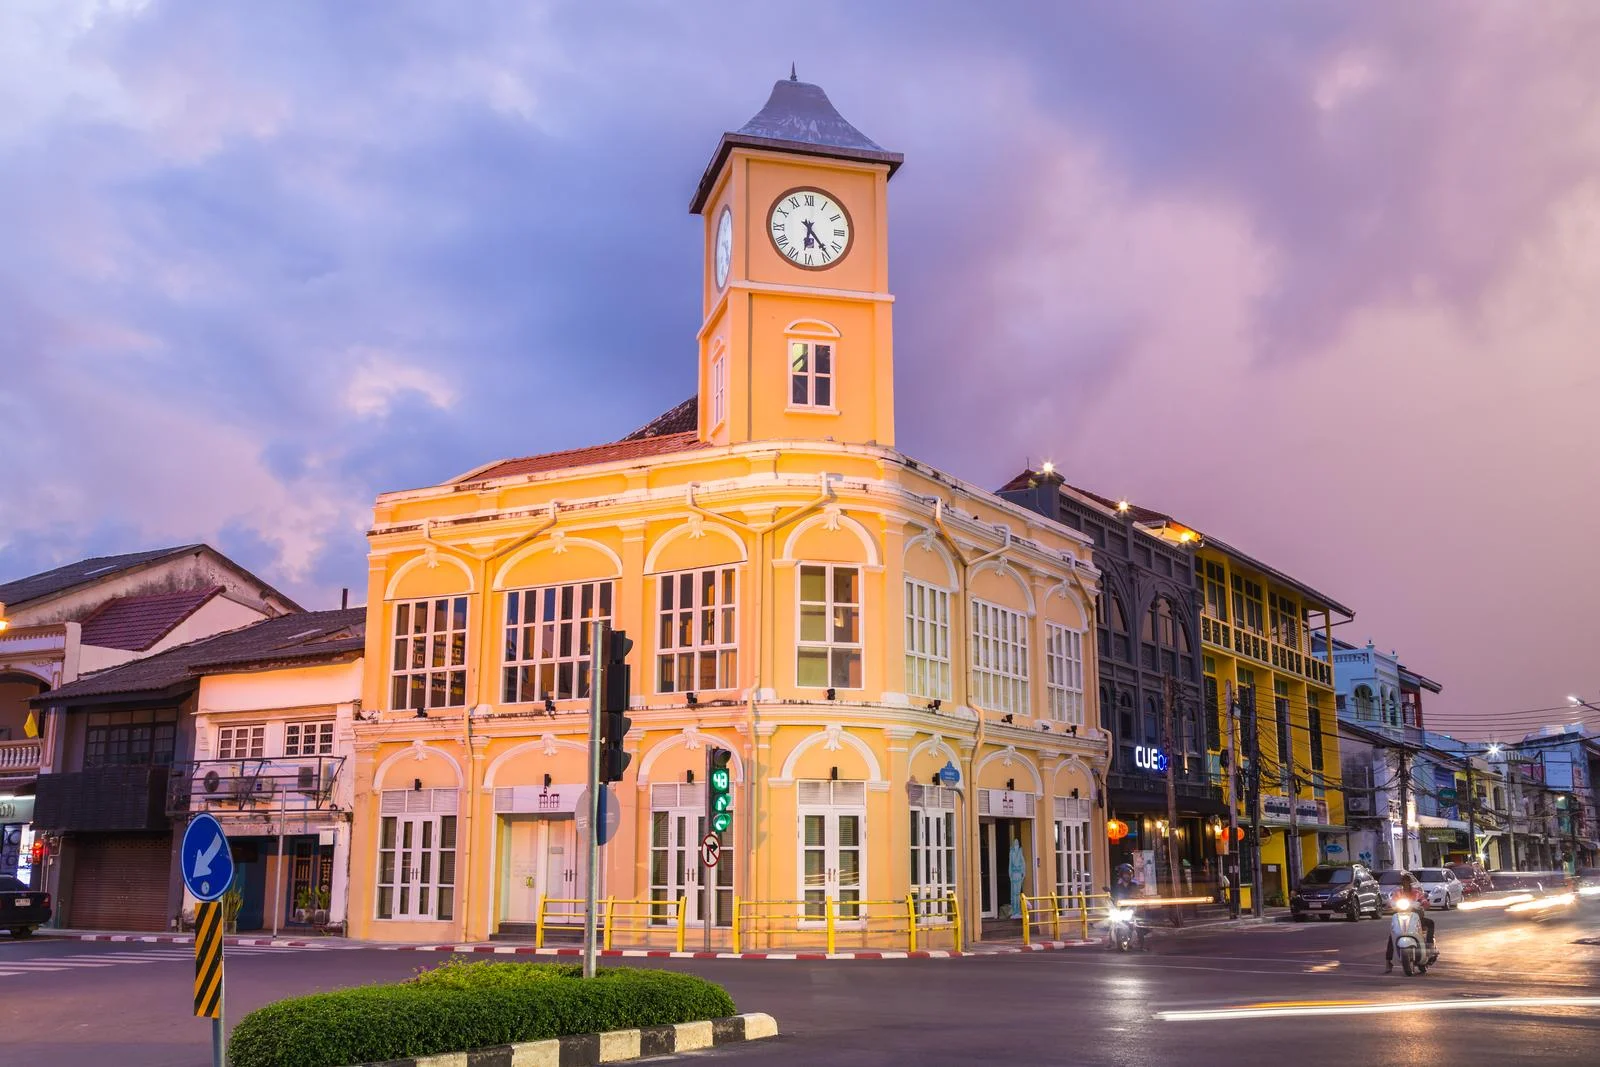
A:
(69, 1003)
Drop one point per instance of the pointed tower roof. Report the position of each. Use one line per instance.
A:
(798, 117)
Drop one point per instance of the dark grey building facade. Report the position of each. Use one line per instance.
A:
(1148, 620)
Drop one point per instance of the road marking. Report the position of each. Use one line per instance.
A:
(1375, 1008)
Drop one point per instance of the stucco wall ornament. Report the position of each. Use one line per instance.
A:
(691, 738)
(697, 526)
(549, 741)
(419, 750)
(830, 517)
(558, 542)
(833, 742)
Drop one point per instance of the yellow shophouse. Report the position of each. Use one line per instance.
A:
(1257, 626)
(895, 659)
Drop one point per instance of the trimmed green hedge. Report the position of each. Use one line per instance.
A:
(462, 1006)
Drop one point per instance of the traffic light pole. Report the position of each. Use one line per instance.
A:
(597, 646)
(1233, 804)
(707, 874)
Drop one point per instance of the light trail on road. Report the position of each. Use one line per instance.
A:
(1303, 1009)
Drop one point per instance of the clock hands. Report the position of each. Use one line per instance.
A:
(812, 240)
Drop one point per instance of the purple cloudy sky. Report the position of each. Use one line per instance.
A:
(1318, 278)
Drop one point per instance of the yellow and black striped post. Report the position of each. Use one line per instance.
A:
(208, 971)
(208, 960)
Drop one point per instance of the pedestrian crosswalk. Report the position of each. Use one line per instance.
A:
(129, 957)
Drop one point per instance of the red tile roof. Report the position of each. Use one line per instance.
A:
(135, 623)
(639, 448)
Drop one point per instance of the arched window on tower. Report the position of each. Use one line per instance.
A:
(812, 348)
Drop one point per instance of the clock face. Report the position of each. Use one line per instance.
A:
(724, 255)
(810, 228)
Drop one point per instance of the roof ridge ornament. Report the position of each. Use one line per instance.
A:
(792, 75)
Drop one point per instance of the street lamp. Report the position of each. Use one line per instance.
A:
(1577, 701)
(4, 622)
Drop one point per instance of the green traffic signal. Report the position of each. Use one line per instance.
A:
(719, 791)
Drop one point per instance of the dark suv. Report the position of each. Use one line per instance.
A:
(1329, 890)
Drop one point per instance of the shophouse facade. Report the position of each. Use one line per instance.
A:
(901, 664)
(1148, 627)
(87, 616)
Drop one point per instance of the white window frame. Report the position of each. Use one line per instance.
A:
(1000, 675)
(833, 650)
(712, 634)
(933, 851)
(242, 741)
(536, 650)
(719, 389)
(309, 737)
(794, 350)
(927, 640)
(423, 872)
(1063, 671)
(429, 662)
(680, 811)
(1074, 847)
(832, 801)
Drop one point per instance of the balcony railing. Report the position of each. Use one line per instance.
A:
(20, 757)
(1254, 646)
(290, 783)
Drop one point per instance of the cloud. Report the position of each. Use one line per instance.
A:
(1316, 276)
(380, 378)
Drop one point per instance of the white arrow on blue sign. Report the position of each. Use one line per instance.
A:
(207, 861)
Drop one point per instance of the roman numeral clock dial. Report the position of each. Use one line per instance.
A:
(810, 228)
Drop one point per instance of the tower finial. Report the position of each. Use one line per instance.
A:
(792, 75)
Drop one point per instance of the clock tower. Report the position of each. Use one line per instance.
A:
(796, 341)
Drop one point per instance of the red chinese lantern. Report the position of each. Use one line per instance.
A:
(1238, 833)
(1116, 829)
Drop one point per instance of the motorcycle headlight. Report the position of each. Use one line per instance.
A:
(1120, 914)
(1402, 904)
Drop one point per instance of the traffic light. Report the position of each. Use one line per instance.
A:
(614, 721)
(719, 790)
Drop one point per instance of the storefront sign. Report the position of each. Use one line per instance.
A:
(1150, 758)
(1439, 834)
(1277, 807)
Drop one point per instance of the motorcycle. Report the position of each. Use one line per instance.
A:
(1125, 929)
(1409, 944)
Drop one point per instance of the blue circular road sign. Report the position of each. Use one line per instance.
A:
(207, 861)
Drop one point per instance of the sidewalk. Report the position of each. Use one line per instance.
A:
(566, 951)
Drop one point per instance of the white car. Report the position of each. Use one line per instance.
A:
(1444, 889)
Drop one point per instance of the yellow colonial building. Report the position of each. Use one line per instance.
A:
(1266, 637)
(895, 659)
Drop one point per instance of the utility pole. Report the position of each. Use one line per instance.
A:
(1405, 811)
(1172, 789)
(1233, 808)
(1253, 795)
(1472, 816)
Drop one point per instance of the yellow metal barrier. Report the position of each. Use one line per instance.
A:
(1039, 910)
(626, 916)
(916, 920)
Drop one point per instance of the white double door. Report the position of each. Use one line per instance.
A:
(831, 868)
(675, 869)
(541, 861)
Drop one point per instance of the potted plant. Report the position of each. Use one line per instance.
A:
(319, 906)
(303, 899)
(232, 902)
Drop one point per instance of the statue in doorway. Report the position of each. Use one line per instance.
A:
(1019, 868)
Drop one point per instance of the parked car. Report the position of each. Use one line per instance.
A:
(21, 909)
(1474, 879)
(1444, 889)
(1327, 890)
(1392, 881)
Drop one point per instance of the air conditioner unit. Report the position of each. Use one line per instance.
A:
(308, 780)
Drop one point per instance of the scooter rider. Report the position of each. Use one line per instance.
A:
(1124, 894)
(1411, 889)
